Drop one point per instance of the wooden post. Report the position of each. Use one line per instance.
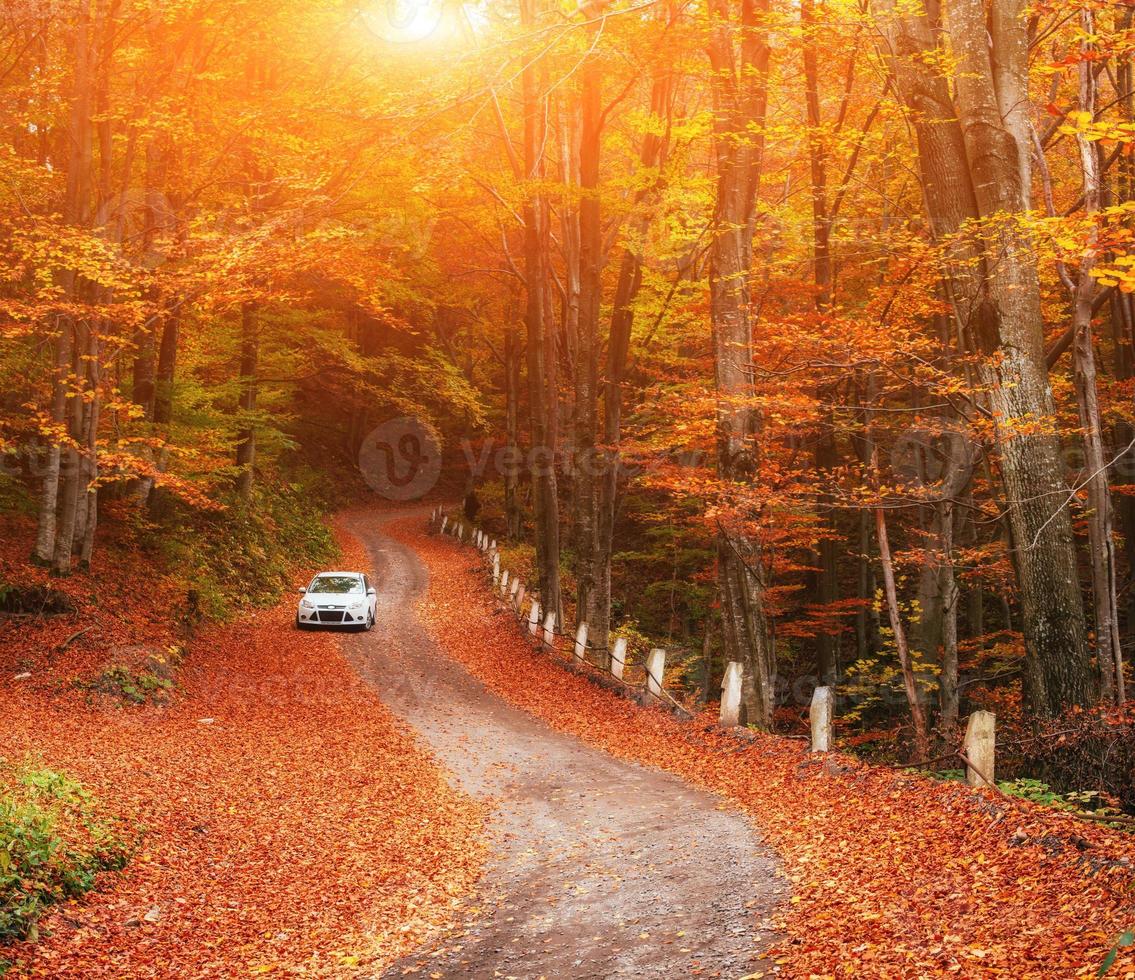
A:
(581, 642)
(550, 629)
(979, 747)
(655, 671)
(518, 595)
(504, 582)
(493, 545)
(731, 695)
(496, 569)
(619, 657)
(444, 521)
(534, 618)
(820, 714)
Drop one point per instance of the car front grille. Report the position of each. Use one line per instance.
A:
(329, 616)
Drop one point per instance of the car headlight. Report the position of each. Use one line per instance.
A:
(306, 604)
(357, 604)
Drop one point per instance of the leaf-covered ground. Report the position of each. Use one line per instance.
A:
(293, 827)
(892, 875)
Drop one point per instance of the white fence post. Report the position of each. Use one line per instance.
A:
(518, 595)
(550, 629)
(496, 569)
(820, 715)
(655, 670)
(493, 545)
(980, 747)
(444, 521)
(504, 582)
(731, 695)
(619, 657)
(534, 618)
(581, 642)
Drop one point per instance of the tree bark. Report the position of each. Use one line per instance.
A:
(651, 156)
(910, 686)
(1101, 538)
(542, 387)
(587, 352)
(76, 207)
(975, 180)
(740, 97)
(512, 447)
(938, 587)
(89, 505)
(246, 437)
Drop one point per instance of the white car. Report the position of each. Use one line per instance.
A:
(338, 599)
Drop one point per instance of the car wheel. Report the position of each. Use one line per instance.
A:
(370, 622)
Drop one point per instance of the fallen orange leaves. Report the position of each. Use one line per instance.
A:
(892, 875)
(283, 806)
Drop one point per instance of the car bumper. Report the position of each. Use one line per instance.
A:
(331, 618)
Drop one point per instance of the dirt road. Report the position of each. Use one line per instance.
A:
(601, 868)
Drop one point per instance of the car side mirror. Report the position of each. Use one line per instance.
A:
(372, 592)
(302, 591)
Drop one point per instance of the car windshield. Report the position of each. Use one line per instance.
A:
(337, 584)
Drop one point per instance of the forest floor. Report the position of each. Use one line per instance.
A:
(321, 804)
(891, 874)
(292, 826)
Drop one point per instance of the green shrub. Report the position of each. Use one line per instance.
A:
(53, 844)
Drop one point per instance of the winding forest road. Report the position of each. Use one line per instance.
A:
(599, 867)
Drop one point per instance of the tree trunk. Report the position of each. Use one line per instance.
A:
(917, 712)
(587, 351)
(76, 205)
(1109, 652)
(49, 494)
(89, 504)
(938, 588)
(740, 97)
(512, 448)
(974, 167)
(246, 438)
(72, 469)
(542, 387)
(826, 456)
(651, 156)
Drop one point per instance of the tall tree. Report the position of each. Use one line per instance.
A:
(739, 54)
(543, 395)
(974, 156)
